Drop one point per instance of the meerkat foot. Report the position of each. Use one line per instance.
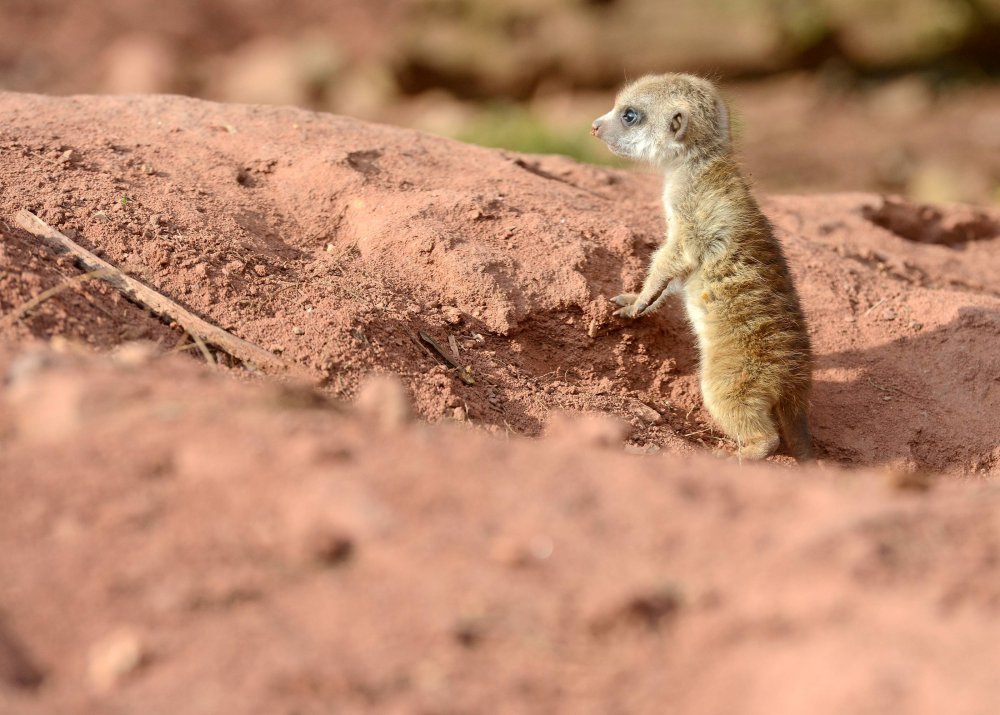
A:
(760, 447)
(748, 423)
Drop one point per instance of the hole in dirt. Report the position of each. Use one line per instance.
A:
(245, 178)
(365, 162)
(17, 667)
(922, 223)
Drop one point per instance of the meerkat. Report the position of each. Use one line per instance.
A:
(721, 254)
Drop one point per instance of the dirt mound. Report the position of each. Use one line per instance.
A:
(253, 549)
(261, 547)
(334, 243)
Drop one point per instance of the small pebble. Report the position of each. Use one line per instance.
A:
(113, 658)
(328, 544)
(382, 398)
(297, 330)
(644, 412)
(889, 314)
(452, 315)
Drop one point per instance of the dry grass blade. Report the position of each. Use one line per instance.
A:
(18, 313)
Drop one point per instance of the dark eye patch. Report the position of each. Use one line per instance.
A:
(629, 117)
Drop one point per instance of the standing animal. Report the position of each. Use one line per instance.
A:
(721, 254)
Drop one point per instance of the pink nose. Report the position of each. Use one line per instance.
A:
(596, 126)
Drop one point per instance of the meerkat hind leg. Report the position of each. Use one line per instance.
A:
(752, 426)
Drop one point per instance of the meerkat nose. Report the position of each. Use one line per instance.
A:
(596, 126)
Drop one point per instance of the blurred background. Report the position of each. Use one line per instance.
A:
(885, 95)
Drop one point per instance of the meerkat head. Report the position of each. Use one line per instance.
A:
(661, 118)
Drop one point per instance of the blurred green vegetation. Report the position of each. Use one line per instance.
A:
(514, 126)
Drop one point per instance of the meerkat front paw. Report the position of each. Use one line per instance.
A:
(625, 299)
(632, 307)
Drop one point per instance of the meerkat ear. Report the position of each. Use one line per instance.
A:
(679, 124)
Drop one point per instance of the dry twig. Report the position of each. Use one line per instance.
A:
(200, 330)
(464, 373)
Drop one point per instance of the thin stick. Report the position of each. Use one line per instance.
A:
(250, 354)
(874, 307)
(692, 434)
(464, 373)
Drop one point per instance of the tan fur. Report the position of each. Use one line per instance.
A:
(721, 254)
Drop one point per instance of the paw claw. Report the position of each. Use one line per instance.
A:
(630, 311)
(625, 299)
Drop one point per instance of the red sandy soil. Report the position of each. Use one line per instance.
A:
(178, 538)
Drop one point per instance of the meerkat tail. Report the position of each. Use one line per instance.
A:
(794, 427)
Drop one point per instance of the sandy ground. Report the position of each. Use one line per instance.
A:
(178, 537)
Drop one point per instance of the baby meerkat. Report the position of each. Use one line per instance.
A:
(720, 252)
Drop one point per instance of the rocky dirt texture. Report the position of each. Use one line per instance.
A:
(179, 537)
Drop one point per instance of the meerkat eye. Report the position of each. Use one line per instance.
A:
(630, 117)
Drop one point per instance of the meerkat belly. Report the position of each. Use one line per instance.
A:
(698, 312)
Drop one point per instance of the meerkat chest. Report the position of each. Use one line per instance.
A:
(669, 187)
